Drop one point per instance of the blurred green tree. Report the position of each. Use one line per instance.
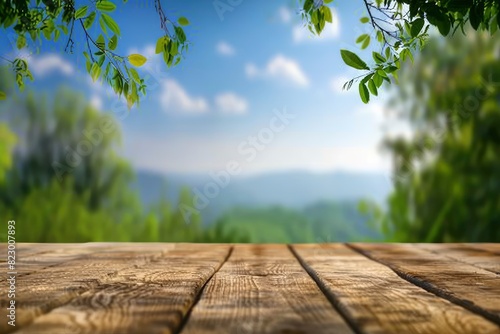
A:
(447, 176)
(64, 181)
(7, 141)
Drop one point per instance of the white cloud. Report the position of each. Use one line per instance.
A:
(336, 84)
(280, 67)
(284, 14)
(225, 49)
(230, 103)
(49, 63)
(96, 102)
(331, 31)
(173, 97)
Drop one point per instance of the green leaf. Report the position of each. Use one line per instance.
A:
(361, 38)
(137, 60)
(172, 48)
(113, 42)
(390, 69)
(475, 16)
(366, 42)
(89, 20)
(161, 44)
(382, 73)
(378, 57)
(101, 44)
(351, 59)
(377, 79)
(105, 6)
(3, 96)
(135, 75)
(372, 87)
(308, 5)
(416, 27)
(183, 21)
(364, 20)
(181, 36)
(327, 13)
(81, 12)
(363, 93)
(444, 26)
(111, 23)
(95, 71)
(21, 42)
(103, 26)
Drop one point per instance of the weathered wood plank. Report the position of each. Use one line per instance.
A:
(471, 287)
(151, 297)
(263, 289)
(487, 247)
(478, 257)
(48, 288)
(376, 300)
(35, 258)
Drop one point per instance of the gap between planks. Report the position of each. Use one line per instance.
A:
(363, 249)
(324, 289)
(152, 296)
(198, 295)
(90, 277)
(377, 300)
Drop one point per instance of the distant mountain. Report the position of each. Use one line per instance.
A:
(292, 189)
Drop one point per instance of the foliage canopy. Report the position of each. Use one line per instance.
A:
(399, 26)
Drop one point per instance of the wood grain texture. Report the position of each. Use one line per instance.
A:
(103, 288)
(148, 297)
(488, 247)
(476, 256)
(34, 259)
(48, 288)
(469, 286)
(263, 289)
(376, 300)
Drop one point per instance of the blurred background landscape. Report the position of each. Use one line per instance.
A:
(420, 163)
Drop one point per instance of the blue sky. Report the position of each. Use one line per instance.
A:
(243, 67)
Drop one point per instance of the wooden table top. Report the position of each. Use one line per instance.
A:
(247, 288)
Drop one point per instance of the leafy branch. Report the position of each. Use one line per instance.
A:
(54, 18)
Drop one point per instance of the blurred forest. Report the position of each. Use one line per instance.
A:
(446, 177)
(59, 195)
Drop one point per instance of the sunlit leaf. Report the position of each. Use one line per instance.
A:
(81, 12)
(89, 20)
(137, 60)
(161, 43)
(95, 71)
(183, 21)
(105, 6)
(113, 42)
(111, 23)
